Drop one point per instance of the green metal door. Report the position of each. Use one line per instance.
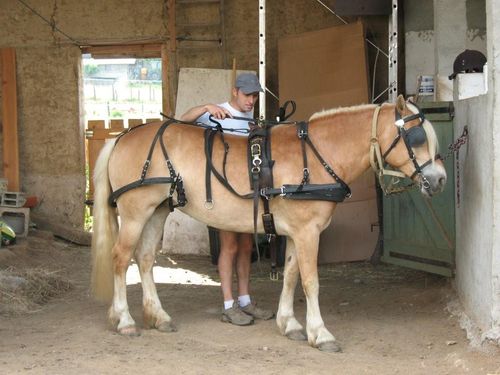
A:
(418, 232)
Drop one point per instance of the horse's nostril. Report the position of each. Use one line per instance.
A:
(442, 181)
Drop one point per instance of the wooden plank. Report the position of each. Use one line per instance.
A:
(134, 122)
(96, 124)
(128, 50)
(94, 147)
(167, 100)
(116, 124)
(9, 110)
(102, 134)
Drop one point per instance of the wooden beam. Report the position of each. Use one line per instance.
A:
(9, 121)
(128, 50)
(172, 54)
(165, 82)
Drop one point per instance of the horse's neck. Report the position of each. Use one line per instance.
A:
(345, 139)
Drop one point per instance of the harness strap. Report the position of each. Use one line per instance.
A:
(175, 179)
(209, 135)
(303, 134)
(328, 168)
(376, 158)
(142, 182)
(323, 192)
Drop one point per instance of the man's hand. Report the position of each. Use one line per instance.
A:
(219, 113)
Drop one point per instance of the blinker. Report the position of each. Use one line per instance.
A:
(416, 136)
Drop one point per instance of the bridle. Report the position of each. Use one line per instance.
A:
(413, 137)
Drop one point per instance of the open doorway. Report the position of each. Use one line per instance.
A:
(120, 91)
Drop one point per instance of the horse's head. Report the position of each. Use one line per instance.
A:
(410, 145)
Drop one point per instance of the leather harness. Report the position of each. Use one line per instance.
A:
(260, 165)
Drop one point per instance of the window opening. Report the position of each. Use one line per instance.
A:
(118, 93)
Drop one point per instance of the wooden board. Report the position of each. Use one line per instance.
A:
(9, 120)
(326, 69)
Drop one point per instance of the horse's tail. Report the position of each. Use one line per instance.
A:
(105, 228)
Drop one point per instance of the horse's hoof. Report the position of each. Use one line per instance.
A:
(297, 335)
(330, 347)
(130, 331)
(166, 327)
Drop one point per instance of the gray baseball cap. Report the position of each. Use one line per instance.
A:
(248, 83)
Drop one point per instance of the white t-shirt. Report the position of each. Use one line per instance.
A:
(228, 122)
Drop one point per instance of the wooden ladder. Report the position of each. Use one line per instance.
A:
(199, 28)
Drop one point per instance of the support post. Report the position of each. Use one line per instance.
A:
(9, 110)
(262, 58)
(393, 53)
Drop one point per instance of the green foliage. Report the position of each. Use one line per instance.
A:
(116, 114)
(90, 70)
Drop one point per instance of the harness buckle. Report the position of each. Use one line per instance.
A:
(274, 275)
(282, 190)
(263, 193)
(255, 150)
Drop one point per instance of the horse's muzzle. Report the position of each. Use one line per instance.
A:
(434, 179)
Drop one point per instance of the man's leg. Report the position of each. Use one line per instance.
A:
(227, 255)
(243, 265)
(243, 262)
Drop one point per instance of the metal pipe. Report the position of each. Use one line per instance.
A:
(262, 58)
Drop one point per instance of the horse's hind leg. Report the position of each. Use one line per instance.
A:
(285, 318)
(154, 315)
(130, 232)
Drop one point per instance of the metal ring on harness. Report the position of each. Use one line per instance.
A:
(209, 205)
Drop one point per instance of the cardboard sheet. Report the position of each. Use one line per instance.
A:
(326, 69)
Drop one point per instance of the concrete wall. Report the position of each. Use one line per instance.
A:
(436, 31)
(478, 215)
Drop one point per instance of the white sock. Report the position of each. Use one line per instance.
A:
(244, 300)
(228, 304)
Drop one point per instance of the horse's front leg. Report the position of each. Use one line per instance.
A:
(285, 318)
(154, 314)
(306, 242)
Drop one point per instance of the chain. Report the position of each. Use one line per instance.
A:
(455, 148)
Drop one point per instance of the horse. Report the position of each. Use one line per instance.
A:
(349, 140)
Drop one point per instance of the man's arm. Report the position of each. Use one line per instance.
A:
(195, 112)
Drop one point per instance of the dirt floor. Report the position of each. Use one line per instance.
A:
(388, 320)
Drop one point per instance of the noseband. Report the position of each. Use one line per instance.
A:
(413, 137)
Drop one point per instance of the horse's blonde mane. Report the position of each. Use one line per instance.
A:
(334, 111)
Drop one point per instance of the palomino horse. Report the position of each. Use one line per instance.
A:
(343, 137)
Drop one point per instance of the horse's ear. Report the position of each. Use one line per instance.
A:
(400, 104)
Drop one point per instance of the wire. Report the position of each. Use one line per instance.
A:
(373, 75)
(52, 24)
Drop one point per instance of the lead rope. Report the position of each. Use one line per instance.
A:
(455, 148)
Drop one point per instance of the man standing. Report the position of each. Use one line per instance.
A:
(235, 248)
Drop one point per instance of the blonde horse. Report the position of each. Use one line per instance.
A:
(348, 139)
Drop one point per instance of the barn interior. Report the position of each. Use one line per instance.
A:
(58, 57)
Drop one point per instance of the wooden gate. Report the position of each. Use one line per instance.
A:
(96, 135)
(418, 232)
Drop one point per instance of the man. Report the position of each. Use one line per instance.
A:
(235, 248)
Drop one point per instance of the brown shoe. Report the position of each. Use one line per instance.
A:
(257, 312)
(235, 316)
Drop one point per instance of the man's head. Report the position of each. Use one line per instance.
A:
(246, 92)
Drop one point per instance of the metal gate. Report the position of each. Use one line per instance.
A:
(418, 232)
